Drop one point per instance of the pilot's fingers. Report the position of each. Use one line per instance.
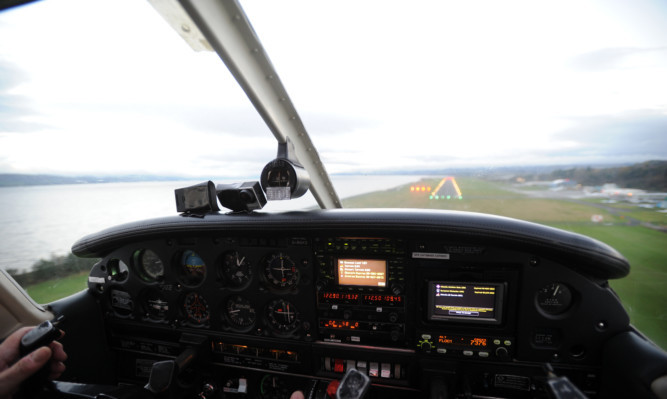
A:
(297, 395)
(9, 349)
(11, 378)
(59, 354)
(57, 368)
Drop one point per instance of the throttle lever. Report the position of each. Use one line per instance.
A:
(163, 373)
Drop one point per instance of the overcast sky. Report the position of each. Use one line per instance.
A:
(106, 87)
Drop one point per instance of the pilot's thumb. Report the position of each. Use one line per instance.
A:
(11, 378)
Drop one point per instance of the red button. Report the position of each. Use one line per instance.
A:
(339, 366)
(332, 388)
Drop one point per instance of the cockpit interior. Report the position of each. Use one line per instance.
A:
(344, 303)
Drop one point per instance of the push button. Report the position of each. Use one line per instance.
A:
(385, 371)
(373, 370)
(339, 366)
(361, 366)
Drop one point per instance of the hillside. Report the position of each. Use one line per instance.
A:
(650, 175)
(15, 179)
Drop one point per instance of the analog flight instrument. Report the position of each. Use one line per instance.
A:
(236, 269)
(155, 305)
(554, 298)
(239, 312)
(192, 269)
(196, 309)
(282, 316)
(280, 271)
(148, 265)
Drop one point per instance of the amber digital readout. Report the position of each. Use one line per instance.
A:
(365, 299)
(370, 299)
(362, 272)
(457, 340)
(340, 296)
(342, 324)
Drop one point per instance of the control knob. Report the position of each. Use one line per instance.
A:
(502, 352)
(397, 288)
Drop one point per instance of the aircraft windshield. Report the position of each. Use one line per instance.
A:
(549, 112)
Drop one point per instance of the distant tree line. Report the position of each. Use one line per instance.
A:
(52, 268)
(651, 176)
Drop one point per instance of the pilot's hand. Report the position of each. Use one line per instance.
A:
(14, 369)
(297, 395)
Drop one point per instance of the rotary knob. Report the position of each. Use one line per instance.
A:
(502, 352)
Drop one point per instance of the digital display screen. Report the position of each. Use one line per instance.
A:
(362, 272)
(457, 301)
(468, 342)
(339, 296)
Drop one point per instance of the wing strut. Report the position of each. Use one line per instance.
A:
(227, 29)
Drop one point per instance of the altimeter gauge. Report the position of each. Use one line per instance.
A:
(554, 298)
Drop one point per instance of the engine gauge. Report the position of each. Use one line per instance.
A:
(282, 316)
(196, 309)
(554, 298)
(239, 312)
(148, 265)
(280, 271)
(236, 269)
(192, 269)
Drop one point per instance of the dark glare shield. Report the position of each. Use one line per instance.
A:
(199, 198)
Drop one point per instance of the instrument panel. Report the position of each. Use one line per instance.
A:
(404, 307)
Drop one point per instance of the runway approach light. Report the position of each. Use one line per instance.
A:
(446, 189)
(420, 189)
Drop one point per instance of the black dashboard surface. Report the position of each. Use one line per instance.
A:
(276, 302)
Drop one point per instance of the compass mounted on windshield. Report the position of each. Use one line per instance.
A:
(285, 178)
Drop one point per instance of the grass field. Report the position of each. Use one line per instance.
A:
(49, 291)
(642, 292)
(485, 197)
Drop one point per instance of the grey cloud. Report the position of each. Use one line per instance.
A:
(242, 120)
(612, 58)
(13, 108)
(641, 134)
(248, 122)
(327, 124)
